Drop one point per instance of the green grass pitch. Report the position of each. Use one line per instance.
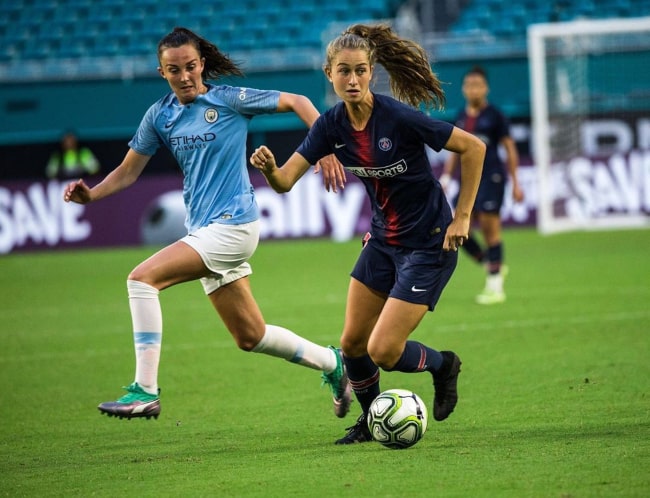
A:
(554, 391)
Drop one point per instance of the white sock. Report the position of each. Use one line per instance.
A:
(283, 343)
(494, 283)
(147, 333)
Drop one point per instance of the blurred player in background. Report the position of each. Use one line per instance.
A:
(484, 120)
(71, 160)
(410, 253)
(205, 127)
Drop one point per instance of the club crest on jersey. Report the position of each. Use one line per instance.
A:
(211, 115)
(385, 144)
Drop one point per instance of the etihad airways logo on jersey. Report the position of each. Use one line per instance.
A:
(384, 172)
(192, 142)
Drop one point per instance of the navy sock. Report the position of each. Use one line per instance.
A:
(364, 379)
(417, 358)
(495, 258)
(473, 248)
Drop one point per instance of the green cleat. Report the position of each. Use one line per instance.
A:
(491, 297)
(136, 403)
(340, 386)
(493, 292)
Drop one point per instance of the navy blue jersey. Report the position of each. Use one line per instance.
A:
(491, 126)
(408, 204)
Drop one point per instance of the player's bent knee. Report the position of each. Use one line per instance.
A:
(138, 275)
(353, 349)
(384, 364)
(383, 358)
(246, 339)
(246, 343)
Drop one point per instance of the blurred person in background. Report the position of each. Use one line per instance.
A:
(485, 121)
(410, 253)
(205, 127)
(71, 160)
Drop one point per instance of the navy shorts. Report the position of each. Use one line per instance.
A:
(491, 190)
(416, 276)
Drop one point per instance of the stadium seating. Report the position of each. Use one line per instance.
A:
(506, 19)
(65, 40)
(39, 29)
(35, 29)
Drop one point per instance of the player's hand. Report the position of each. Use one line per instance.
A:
(517, 193)
(263, 159)
(333, 172)
(78, 192)
(456, 235)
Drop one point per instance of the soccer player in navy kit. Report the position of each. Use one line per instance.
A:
(410, 252)
(205, 127)
(484, 120)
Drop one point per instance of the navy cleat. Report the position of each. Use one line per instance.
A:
(445, 382)
(358, 433)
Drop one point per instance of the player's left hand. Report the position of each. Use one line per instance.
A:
(263, 159)
(456, 235)
(333, 172)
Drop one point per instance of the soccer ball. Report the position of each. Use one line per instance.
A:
(397, 418)
(163, 221)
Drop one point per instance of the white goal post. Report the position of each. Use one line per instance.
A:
(590, 104)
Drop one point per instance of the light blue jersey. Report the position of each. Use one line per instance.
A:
(208, 139)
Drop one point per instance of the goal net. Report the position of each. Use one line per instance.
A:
(590, 93)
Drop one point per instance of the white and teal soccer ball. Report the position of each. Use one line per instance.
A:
(397, 418)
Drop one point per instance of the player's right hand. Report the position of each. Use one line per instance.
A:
(78, 192)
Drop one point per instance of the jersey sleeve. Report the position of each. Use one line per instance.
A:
(250, 101)
(315, 145)
(433, 132)
(146, 140)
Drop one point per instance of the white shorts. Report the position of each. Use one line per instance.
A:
(225, 251)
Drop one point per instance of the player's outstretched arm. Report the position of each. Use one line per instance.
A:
(300, 105)
(118, 179)
(332, 169)
(279, 179)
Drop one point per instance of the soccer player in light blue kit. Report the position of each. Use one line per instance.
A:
(205, 127)
(410, 253)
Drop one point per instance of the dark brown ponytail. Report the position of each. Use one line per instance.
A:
(217, 64)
